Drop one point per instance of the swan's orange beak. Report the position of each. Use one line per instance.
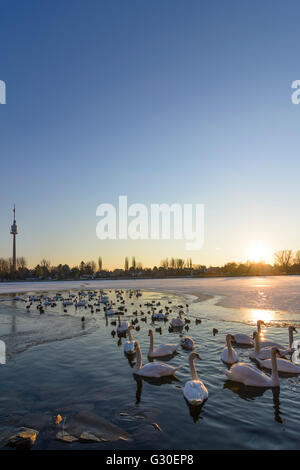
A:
(279, 353)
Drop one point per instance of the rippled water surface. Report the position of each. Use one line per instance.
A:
(55, 364)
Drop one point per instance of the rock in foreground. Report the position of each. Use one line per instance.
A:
(24, 439)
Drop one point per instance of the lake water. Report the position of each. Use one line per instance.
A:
(57, 365)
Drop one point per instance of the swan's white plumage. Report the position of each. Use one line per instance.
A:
(156, 369)
(151, 369)
(249, 375)
(195, 392)
(123, 326)
(130, 346)
(162, 349)
(229, 355)
(187, 343)
(265, 352)
(283, 365)
(177, 322)
(242, 339)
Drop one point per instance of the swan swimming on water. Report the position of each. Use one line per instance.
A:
(291, 329)
(187, 343)
(177, 322)
(229, 355)
(151, 369)
(283, 365)
(194, 390)
(162, 349)
(249, 375)
(245, 340)
(122, 326)
(130, 346)
(265, 352)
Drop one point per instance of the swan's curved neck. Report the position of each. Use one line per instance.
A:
(275, 377)
(139, 359)
(151, 342)
(258, 327)
(193, 368)
(229, 345)
(291, 338)
(130, 335)
(257, 344)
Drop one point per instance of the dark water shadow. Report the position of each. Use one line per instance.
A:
(251, 393)
(152, 381)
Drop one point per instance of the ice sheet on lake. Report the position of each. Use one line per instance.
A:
(21, 330)
(270, 292)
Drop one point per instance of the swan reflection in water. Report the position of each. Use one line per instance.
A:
(251, 393)
(152, 381)
(195, 411)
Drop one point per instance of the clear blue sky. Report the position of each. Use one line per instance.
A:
(162, 100)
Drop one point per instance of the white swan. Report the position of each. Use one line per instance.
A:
(159, 316)
(264, 353)
(264, 342)
(122, 326)
(130, 346)
(283, 365)
(229, 355)
(187, 343)
(245, 340)
(151, 369)
(162, 349)
(249, 375)
(194, 390)
(177, 322)
(109, 311)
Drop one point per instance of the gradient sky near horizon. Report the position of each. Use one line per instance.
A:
(162, 101)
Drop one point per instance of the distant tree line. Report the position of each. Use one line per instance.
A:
(285, 262)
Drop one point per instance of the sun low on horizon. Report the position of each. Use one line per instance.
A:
(259, 251)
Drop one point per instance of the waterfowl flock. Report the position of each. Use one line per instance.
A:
(265, 355)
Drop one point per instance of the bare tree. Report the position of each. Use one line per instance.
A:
(100, 263)
(4, 266)
(45, 263)
(21, 262)
(284, 258)
(179, 263)
(133, 263)
(297, 257)
(91, 266)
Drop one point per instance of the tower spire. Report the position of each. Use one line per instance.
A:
(14, 232)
